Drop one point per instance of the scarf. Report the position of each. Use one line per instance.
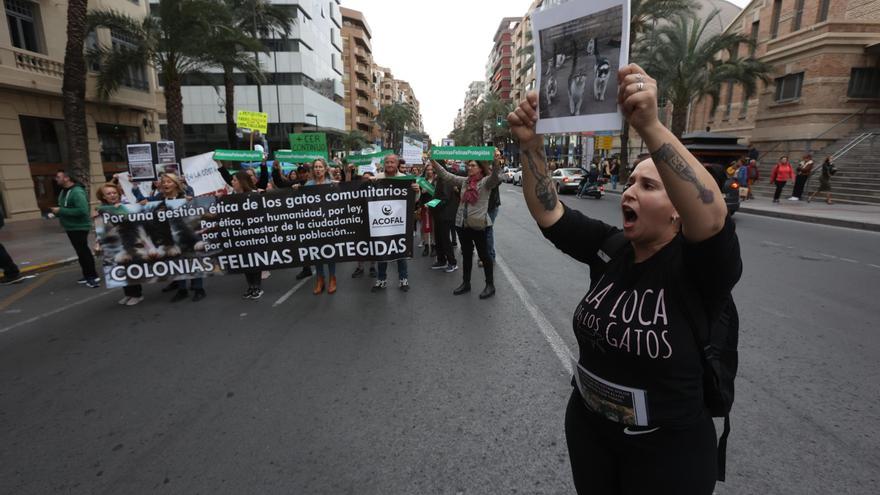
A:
(471, 194)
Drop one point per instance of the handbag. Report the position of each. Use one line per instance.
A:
(475, 223)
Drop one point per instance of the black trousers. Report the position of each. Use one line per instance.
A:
(779, 185)
(133, 290)
(607, 461)
(8, 266)
(443, 237)
(799, 182)
(254, 279)
(471, 239)
(80, 241)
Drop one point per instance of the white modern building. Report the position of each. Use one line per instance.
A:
(303, 90)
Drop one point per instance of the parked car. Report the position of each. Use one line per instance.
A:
(507, 175)
(567, 179)
(516, 179)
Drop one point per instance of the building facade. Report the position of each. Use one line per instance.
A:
(498, 69)
(825, 79)
(32, 139)
(523, 59)
(361, 108)
(303, 91)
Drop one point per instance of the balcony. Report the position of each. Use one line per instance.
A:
(37, 63)
(366, 105)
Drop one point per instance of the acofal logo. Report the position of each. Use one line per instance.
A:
(387, 210)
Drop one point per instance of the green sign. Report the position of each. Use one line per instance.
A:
(432, 203)
(313, 143)
(368, 158)
(238, 155)
(480, 153)
(298, 156)
(421, 181)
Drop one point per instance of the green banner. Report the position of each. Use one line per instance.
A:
(480, 153)
(367, 159)
(432, 203)
(421, 181)
(290, 156)
(314, 143)
(238, 155)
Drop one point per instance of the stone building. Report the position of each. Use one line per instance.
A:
(32, 140)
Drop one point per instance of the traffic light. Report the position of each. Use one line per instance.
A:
(500, 121)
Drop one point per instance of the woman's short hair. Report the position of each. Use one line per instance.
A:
(245, 180)
(181, 187)
(100, 192)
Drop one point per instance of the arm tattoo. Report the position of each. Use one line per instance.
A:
(679, 165)
(544, 190)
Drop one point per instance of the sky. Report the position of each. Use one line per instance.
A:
(439, 47)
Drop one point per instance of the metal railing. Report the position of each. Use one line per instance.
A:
(852, 144)
(810, 140)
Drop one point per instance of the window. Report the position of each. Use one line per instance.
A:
(43, 140)
(753, 38)
(823, 10)
(281, 45)
(729, 106)
(136, 77)
(864, 83)
(92, 44)
(774, 21)
(798, 15)
(113, 140)
(22, 18)
(788, 88)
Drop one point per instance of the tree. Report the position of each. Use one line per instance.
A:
(689, 66)
(174, 42)
(73, 93)
(394, 120)
(489, 111)
(355, 140)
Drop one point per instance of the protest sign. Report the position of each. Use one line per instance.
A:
(311, 145)
(254, 121)
(140, 162)
(296, 156)
(371, 168)
(179, 239)
(447, 142)
(412, 150)
(201, 173)
(128, 187)
(165, 152)
(433, 203)
(369, 159)
(577, 54)
(485, 153)
(238, 155)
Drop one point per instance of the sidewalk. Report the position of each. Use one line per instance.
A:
(863, 217)
(37, 245)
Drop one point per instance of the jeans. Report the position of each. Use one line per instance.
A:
(490, 233)
(614, 179)
(401, 270)
(331, 267)
(80, 241)
(136, 290)
(6, 263)
(779, 185)
(194, 284)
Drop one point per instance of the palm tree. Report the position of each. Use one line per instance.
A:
(73, 93)
(354, 140)
(688, 66)
(394, 120)
(174, 42)
(494, 109)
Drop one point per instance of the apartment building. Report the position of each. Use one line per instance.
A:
(391, 90)
(32, 140)
(523, 60)
(304, 88)
(498, 68)
(361, 97)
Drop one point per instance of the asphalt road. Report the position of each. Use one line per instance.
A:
(419, 392)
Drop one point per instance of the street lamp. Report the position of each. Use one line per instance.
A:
(316, 120)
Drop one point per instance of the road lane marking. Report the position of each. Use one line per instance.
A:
(54, 311)
(849, 260)
(556, 343)
(872, 265)
(289, 293)
(25, 291)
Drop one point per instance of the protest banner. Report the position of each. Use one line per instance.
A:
(369, 158)
(311, 145)
(165, 152)
(179, 239)
(201, 173)
(367, 169)
(579, 47)
(238, 155)
(412, 150)
(484, 153)
(447, 142)
(254, 121)
(296, 156)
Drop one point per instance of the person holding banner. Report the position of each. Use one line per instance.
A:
(472, 218)
(443, 216)
(321, 177)
(391, 170)
(110, 196)
(243, 183)
(637, 421)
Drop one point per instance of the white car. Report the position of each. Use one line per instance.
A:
(516, 180)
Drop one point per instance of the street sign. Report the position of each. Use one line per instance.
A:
(312, 144)
(254, 121)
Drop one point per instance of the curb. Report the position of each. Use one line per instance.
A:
(42, 267)
(835, 222)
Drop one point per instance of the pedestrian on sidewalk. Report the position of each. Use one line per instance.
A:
(615, 172)
(321, 177)
(110, 195)
(444, 223)
(781, 174)
(11, 273)
(637, 421)
(472, 218)
(74, 214)
(828, 170)
(804, 170)
(754, 176)
(391, 170)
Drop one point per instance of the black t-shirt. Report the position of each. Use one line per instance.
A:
(639, 361)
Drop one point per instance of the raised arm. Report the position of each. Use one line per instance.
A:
(537, 186)
(445, 175)
(495, 179)
(692, 190)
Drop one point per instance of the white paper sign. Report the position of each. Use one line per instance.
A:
(412, 151)
(128, 188)
(201, 174)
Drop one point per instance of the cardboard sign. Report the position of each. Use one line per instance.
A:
(201, 173)
(254, 121)
(311, 145)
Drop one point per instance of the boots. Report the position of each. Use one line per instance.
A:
(331, 288)
(319, 285)
(463, 288)
(488, 291)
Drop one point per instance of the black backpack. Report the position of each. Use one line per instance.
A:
(718, 351)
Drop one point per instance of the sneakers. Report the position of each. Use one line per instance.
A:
(257, 293)
(794, 199)
(14, 279)
(124, 301)
(404, 285)
(379, 285)
(372, 272)
(247, 293)
(199, 295)
(93, 283)
(450, 268)
(438, 266)
(358, 272)
(85, 281)
(134, 301)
